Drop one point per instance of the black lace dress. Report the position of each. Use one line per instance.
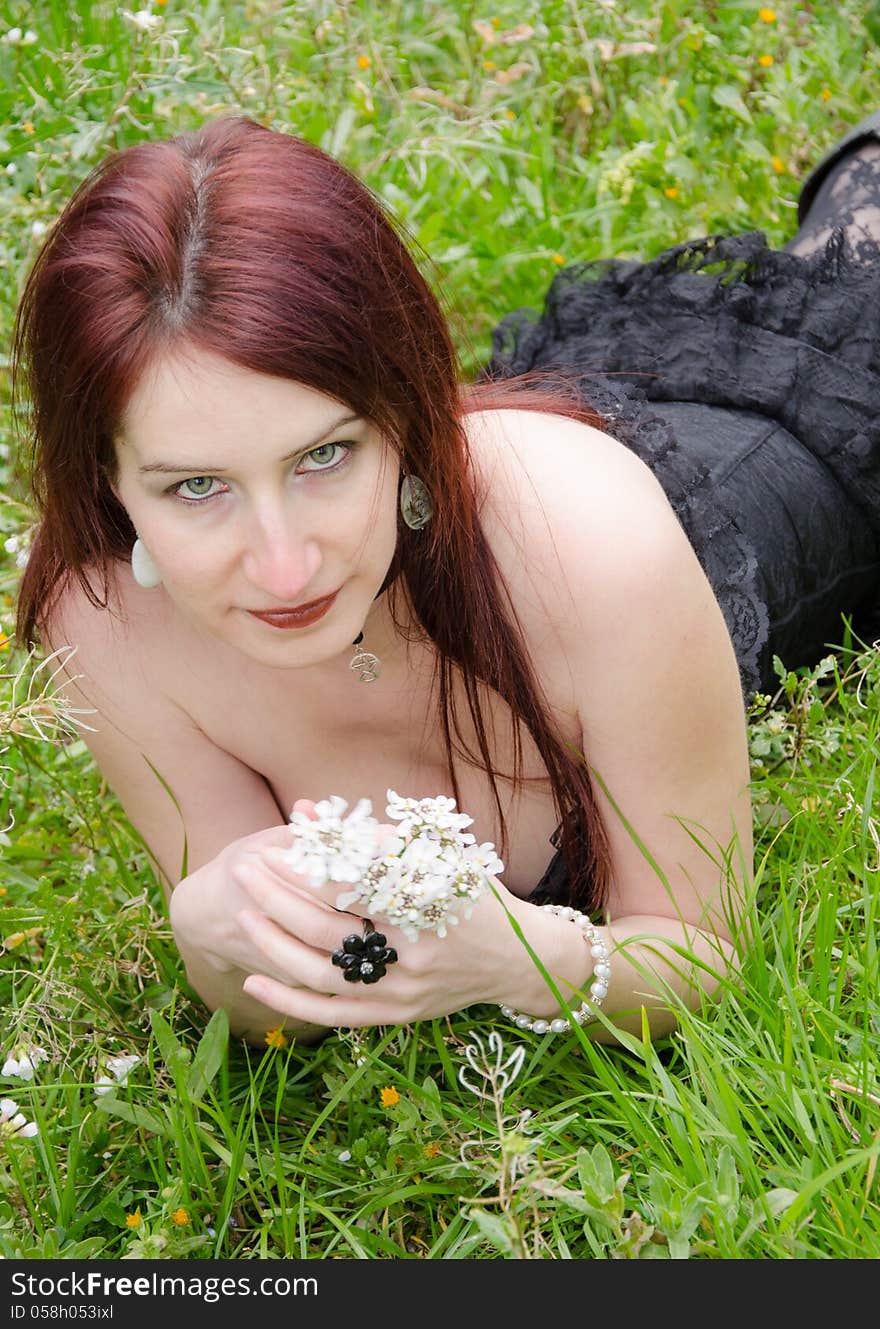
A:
(748, 379)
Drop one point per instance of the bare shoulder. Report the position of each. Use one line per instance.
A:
(187, 797)
(606, 581)
(562, 503)
(104, 641)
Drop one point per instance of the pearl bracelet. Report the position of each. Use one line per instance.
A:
(598, 987)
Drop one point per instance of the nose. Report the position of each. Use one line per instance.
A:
(279, 560)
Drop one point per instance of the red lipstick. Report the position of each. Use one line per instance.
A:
(295, 618)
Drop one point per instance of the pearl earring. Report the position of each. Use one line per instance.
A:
(143, 569)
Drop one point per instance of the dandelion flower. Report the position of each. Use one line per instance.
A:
(180, 1218)
(825, 94)
(670, 191)
(133, 1220)
(778, 165)
(275, 1039)
(364, 62)
(765, 61)
(767, 15)
(389, 1097)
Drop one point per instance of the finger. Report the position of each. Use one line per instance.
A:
(329, 1012)
(279, 863)
(301, 914)
(306, 806)
(289, 957)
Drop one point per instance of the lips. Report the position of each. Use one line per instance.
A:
(295, 618)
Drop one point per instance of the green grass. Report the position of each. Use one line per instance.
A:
(754, 1132)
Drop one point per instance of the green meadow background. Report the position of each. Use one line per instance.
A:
(508, 139)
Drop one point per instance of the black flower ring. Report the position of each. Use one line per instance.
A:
(364, 959)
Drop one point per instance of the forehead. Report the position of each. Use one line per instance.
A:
(194, 394)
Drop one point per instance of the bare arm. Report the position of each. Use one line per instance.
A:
(614, 582)
(210, 820)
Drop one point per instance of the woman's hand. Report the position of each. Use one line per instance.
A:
(295, 929)
(206, 908)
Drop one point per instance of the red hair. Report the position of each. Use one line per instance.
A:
(259, 247)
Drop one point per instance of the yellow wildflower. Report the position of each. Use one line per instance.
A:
(558, 259)
(825, 94)
(767, 15)
(431, 1150)
(488, 65)
(511, 115)
(275, 1039)
(133, 1220)
(778, 165)
(28, 127)
(364, 62)
(670, 191)
(5, 642)
(16, 938)
(765, 60)
(389, 1096)
(180, 1217)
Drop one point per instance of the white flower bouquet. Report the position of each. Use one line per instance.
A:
(424, 878)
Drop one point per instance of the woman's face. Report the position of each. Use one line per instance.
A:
(253, 493)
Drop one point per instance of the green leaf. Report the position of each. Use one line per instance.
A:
(495, 1230)
(133, 1113)
(729, 97)
(169, 1044)
(596, 1174)
(209, 1055)
(803, 1117)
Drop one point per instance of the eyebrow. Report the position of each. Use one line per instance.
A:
(173, 468)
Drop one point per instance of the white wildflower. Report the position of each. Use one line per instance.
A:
(419, 816)
(119, 1070)
(39, 229)
(334, 847)
(345, 1156)
(142, 20)
(497, 1075)
(425, 878)
(29, 38)
(19, 546)
(12, 37)
(14, 1123)
(24, 1060)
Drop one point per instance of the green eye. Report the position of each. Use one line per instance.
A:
(327, 457)
(324, 453)
(199, 485)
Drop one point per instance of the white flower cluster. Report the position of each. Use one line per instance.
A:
(15, 37)
(24, 1060)
(120, 1068)
(14, 1123)
(423, 878)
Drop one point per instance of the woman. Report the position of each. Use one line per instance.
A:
(297, 558)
